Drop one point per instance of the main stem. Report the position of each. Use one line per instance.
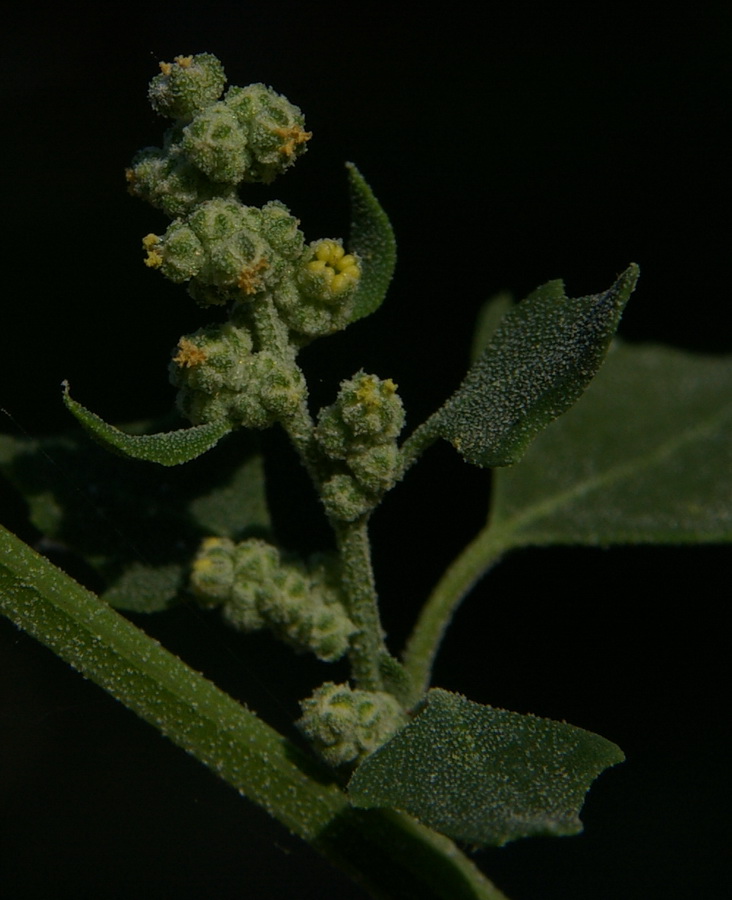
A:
(367, 646)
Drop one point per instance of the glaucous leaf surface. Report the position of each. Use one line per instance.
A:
(644, 457)
(537, 364)
(482, 775)
(372, 238)
(168, 449)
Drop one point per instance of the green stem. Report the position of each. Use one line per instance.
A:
(367, 646)
(390, 854)
(483, 552)
(415, 445)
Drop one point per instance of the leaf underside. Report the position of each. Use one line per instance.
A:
(482, 775)
(539, 361)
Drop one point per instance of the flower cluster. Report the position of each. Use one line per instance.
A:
(358, 432)
(219, 377)
(256, 588)
(345, 725)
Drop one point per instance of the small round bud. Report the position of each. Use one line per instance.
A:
(345, 725)
(216, 144)
(367, 411)
(344, 499)
(186, 85)
(274, 128)
(212, 574)
(167, 181)
(181, 254)
(376, 467)
(280, 384)
(212, 368)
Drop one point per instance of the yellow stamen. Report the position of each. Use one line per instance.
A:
(189, 354)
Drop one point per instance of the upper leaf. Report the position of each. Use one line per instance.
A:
(539, 361)
(644, 457)
(372, 238)
(484, 775)
(168, 449)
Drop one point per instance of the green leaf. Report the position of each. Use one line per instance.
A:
(137, 526)
(541, 358)
(167, 449)
(484, 775)
(372, 238)
(143, 588)
(644, 457)
(389, 854)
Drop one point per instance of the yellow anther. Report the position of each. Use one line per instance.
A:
(189, 355)
(291, 138)
(336, 270)
(166, 68)
(329, 252)
(367, 392)
(346, 262)
(210, 542)
(184, 61)
(250, 278)
(202, 564)
(154, 258)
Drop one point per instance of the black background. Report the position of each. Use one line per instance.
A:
(508, 148)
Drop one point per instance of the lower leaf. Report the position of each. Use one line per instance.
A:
(482, 775)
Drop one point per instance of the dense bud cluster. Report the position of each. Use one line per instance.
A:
(227, 251)
(252, 134)
(219, 377)
(256, 588)
(346, 725)
(360, 431)
(187, 85)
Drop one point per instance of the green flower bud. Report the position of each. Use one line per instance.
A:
(255, 589)
(167, 181)
(375, 469)
(179, 256)
(186, 85)
(228, 251)
(212, 575)
(220, 378)
(367, 411)
(216, 144)
(344, 499)
(280, 384)
(274, 129)
(212, 368)
(346, 725)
